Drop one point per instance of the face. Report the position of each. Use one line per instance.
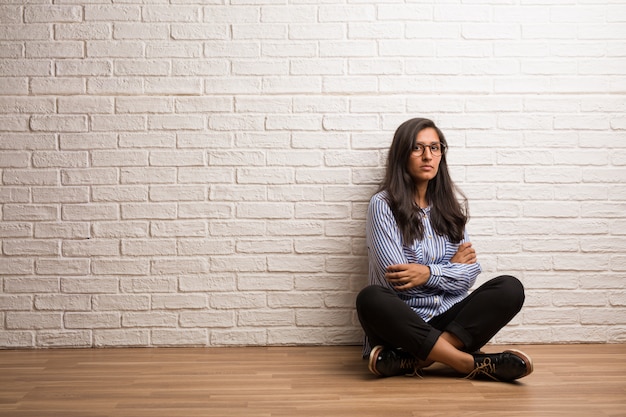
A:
(424, 167)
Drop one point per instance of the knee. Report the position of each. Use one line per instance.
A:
(512, 290)
(369, 296)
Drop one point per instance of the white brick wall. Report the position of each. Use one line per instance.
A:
(197, 173)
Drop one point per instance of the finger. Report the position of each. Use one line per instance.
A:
(397, 267)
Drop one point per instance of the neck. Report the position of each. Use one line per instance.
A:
(420, 194)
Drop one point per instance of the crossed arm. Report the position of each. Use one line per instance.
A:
(391, 264)
(405, 276)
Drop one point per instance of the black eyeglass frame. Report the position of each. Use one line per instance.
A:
(436, 149)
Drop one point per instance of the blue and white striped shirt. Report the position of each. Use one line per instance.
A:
(448, 283)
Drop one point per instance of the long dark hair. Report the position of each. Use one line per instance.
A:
(448, 215)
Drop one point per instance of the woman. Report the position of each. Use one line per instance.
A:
(417, 309)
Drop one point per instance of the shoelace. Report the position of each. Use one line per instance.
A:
(411, 363)
(486, 368)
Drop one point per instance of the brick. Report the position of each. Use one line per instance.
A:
(25, 32)
(195, 31)
(10, 14)
(81, 212)
(91, 285)
(179, 337)
(119, 193)
(33, 321)
(15, 230)
(103, 12)
(173, 50)
(83, 105)
(63, 302)
(61, 195)
(143, 105)
(171, 14)
(59, 86)
(114, 86)
(151, 211)
(291, 85)
(56, 49)
(16, 339)
(89, 176)
(292, 193)
(325, 245)
(178, 301)
(120, 266)
(91, 320)
(178, 228)
(120, 229)
(202, 140)
(295, 122)
(203, 175)
(152, 247)
(82, 31)
(14, 123)
(14, 159)
(177, 193)
(148, 175)
(16, 302)
(14, 85)
(148, 284)
(265, 176)
(325, 176)
(87, 141)
(149, 319)
(91, 247)
(26, 105)
(180, 266)
(124, 337)
(39, 212)
(30, 284)
(30, 247)
(265, 210)
(65, 230)
(121, 302)
(295, 228)
(152, 140)
(64, 339)
(11, 50)
(299, 336)
(153, 31)
(214, 283)
(238, 263)
(62, 266)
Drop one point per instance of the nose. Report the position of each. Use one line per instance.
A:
(427, 154)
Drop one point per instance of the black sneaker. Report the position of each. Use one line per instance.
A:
(393, 362)
(506, 366)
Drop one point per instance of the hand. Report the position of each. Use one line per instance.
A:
(465, 254)
(405, 276)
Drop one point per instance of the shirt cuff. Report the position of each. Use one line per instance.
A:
(435, 276)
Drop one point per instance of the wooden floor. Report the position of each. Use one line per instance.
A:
(569, 380)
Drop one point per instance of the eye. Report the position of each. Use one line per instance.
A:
(435, 147)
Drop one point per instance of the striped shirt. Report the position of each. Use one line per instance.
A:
(448, 283)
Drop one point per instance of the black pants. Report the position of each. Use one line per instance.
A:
(388, 321)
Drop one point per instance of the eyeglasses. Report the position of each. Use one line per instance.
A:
(436, 149)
